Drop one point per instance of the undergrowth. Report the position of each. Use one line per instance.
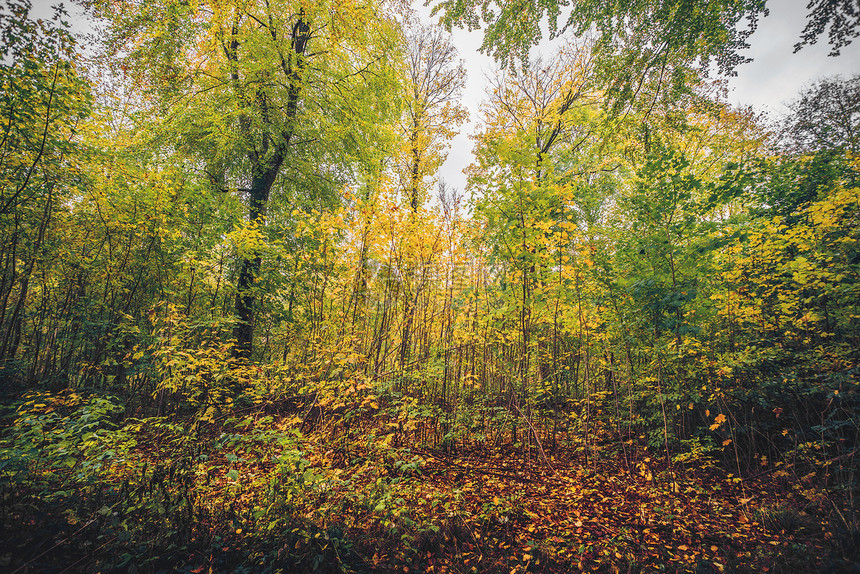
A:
(87, 488)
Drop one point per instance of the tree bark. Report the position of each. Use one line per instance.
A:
(246, 298)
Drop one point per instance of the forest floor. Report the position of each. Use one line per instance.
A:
(260, 497)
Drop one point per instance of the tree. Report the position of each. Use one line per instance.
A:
(250, 87)
(536, 157)
(44, 100)
(434, 85)
(826, 116)
(538, 113)
(814, 148)
(435, 80)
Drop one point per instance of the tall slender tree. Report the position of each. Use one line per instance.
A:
(435, 80)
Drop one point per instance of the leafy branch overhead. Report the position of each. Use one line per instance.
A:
(643, 30)
(635, 38)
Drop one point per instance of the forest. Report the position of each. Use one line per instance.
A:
(246, 326)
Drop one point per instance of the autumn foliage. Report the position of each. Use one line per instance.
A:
(244, 327)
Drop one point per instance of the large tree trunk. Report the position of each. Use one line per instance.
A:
(246, 298)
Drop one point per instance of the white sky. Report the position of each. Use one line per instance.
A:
(772, 79)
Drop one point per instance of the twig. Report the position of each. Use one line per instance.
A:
(305, 418)
(790, 465)
(69, 567)
(537, 440)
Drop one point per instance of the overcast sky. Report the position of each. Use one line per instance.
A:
(772, 79)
